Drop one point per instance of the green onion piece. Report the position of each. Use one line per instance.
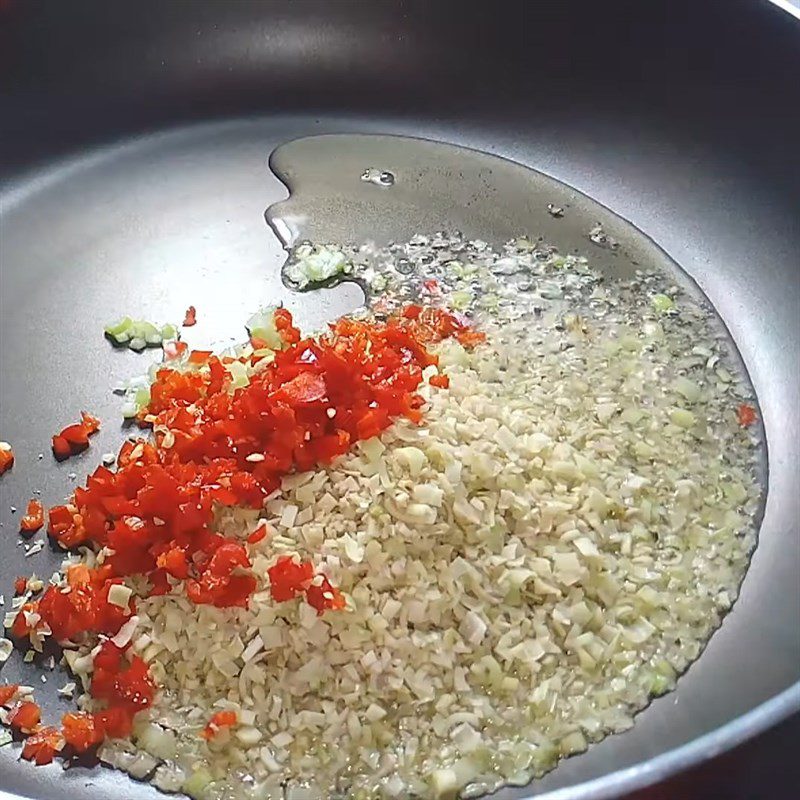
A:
(460, 300)
(662, 303)
(139, 334)
(145, 329)
(120, 326)
(142, 397)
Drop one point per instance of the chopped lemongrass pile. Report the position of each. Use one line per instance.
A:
(138, 334)
(525, 526)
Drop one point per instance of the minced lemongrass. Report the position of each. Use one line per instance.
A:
(682, 418)
(689, 389)
(119, 595)
(6, 648)
(196, 783)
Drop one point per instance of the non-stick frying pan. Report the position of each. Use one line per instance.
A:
(135, 140)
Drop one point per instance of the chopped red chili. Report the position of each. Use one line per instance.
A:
(220, 720)
(324, 597)
(174, 562)
(190, 318)
(126, 687)
(200, 356)
(174, 349)
(61, 448)
(82, 730)
(116, 723)
(6, 457)
(746, 415)
(75, 438)
(76, 435)
(258, 534)
(42, 745)
(34, 517)
(89, 422)
(7, 692)
(289, 578)
(25, 716)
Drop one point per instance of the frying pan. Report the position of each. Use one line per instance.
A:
(135, 139)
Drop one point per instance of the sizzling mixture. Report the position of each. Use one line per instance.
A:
(429, 552)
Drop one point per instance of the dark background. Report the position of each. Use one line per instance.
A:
(767, 768)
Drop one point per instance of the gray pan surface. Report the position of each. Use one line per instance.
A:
(135, 140)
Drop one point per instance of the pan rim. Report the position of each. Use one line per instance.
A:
(693, 752)
(658, 768)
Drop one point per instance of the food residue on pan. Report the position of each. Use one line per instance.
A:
(430, 551)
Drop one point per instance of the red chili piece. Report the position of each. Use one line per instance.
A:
(6, 457)
(25, 716)
(746, 415)
(82, 730)
(75, 438)
(42, 746)
(174, 349)
(259, 534)
(7, 692)
(220, 720)
(34, 517)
